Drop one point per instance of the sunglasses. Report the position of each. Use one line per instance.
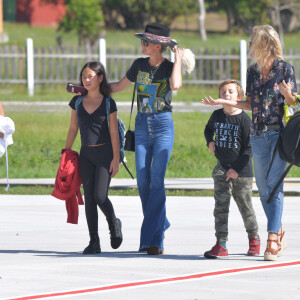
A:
(145, 43)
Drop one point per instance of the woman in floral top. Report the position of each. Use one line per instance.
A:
(267, 79)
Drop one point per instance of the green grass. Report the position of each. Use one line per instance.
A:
(18, 32)
(186, 93)
(40, 137)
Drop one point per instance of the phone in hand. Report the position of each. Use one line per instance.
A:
(75, 88)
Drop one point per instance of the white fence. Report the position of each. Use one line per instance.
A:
(34, 66)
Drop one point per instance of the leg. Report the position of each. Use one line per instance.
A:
(222, 197)
(143, 159)
(158, 146)
(242, 194)
(87, 170)
(102, 182)
(263, 147)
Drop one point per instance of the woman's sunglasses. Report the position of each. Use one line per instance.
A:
(145, 43)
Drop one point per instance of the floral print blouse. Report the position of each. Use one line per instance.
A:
(266, 100)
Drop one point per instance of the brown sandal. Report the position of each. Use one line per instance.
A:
(271, 253)
(281, 241)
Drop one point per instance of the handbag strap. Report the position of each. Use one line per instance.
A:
(133, 96)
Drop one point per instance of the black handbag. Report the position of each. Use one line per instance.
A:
(129, 136)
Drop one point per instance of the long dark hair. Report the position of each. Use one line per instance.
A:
(98, 68)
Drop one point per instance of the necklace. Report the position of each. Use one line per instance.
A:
(231, 113)
(153, 69)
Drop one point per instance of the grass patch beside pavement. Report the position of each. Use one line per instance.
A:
(39, 138)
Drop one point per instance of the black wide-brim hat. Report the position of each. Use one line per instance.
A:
(157, 34)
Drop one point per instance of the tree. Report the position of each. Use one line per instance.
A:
(201, 19)
(247, 13)
(242, 14)
(137, 13)
(84, 18)
(277, 9)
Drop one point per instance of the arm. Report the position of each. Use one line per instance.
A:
(176, 76)
(209, 133)
(211, 147)
(114, 136)
(121, 85)
(245, 105)
(2, 110)
(1, 114)
(73, 129)
(245, 150)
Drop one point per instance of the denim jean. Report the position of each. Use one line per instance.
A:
(154, 138)
(262, 149)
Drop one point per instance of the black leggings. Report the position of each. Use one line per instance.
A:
(94, 170)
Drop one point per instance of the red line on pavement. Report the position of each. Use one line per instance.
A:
(156, 281)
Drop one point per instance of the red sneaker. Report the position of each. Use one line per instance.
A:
(216, 250)
(254, 246)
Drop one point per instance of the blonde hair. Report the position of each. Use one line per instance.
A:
(266, 45)
(239, 89)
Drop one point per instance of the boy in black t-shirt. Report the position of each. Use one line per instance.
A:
(228, 137)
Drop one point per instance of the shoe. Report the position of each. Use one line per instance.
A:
(154, 251)
(281, 241)
(216, 250)
(93, 247)
(254, 246)
(116, 237)
(271, 253)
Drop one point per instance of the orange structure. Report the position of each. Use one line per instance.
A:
(39, 12)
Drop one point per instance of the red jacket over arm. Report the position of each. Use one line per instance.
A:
(67, 184)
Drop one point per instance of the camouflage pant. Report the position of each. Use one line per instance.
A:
(241, 190)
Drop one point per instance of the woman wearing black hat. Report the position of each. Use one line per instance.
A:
(155, 78)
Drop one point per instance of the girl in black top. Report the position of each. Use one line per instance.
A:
(99, 154)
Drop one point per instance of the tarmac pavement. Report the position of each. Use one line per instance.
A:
(40, 254)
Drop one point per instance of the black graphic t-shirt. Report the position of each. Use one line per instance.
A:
(231, 134)
(152, 86)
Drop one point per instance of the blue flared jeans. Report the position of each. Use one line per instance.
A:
(262, 149)
(154, 138)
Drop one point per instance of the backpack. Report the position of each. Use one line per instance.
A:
(121, 130)
(288, 147)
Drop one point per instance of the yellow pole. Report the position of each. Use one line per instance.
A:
(1, 16)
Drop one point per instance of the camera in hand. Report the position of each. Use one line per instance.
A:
(75, 88)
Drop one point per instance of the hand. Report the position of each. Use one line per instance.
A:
(63, 150)
(179, 53)
(210, 101)
(285, 90)
(232, 174)
(114, 167)
(1, 135)
(211, 147)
